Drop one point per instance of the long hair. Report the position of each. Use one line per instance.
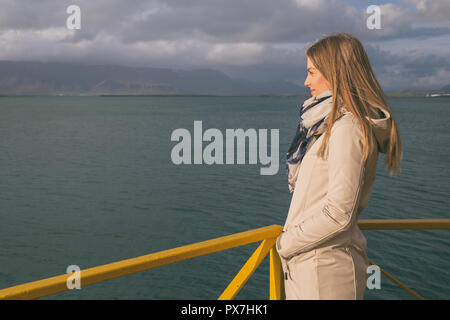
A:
(342, 60)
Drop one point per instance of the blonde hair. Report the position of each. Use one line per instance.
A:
(342, 60)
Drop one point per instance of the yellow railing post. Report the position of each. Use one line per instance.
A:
(276, 276)
(49, 286)
(247, 270)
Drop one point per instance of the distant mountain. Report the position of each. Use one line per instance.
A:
(420, 92)
(443, 90)
(414, 91)
(53, 78)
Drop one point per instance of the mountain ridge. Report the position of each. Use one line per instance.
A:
(63, 78)
(58, 78)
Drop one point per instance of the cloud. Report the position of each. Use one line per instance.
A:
(257, 39)
(409, 68)
(432, 10)
(244, 53)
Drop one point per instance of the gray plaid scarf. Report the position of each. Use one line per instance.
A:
(313, 115)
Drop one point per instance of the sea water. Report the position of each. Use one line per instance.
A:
(88, 181)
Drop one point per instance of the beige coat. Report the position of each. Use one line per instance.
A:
(322, 249)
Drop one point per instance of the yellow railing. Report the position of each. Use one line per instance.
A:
(267, 236)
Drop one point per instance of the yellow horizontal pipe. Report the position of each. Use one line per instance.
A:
(45, 287)
(49, 286)
(403, 224)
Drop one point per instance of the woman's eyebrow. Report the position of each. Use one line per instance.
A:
(310, 68)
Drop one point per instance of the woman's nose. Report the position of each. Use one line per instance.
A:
(306, 83)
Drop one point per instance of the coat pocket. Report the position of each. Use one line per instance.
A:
(302, 275)
(302, 257)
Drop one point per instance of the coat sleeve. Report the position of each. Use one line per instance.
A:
(345, 176)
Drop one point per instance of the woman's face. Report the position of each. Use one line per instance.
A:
(315, 80)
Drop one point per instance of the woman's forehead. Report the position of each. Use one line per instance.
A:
(309, 64)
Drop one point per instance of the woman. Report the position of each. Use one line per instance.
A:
(332, 164)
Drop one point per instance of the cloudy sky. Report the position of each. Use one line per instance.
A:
(253, 39)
